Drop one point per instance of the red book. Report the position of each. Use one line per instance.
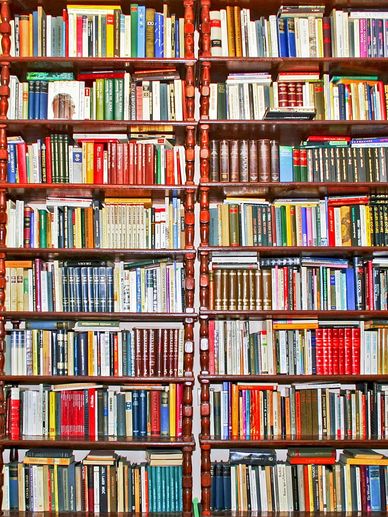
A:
(63, 415)
(146, 335)
(356, 347)
(296, 159)
(165, 348)
(92, 413)
(139, 102)
(149, 164)
(341, 351)
(179, 410)
(363, 487)
(125, 164)
(211, 347)
(326, 351)
(97, 74)
(79, 35)
(153, 339)
(174, 333)
(21, 163)
(131, 162)
(306, 485)
(66, 21)
(335, 351)
(14, 414)
(331, 225)
(49, 170)
(380, 88)
(322, 138)
(98, 163)
(155, 412)
(115, 355)
(326, 29)
(282, 94)
(311, 461)
(119, 164)
(297, 415)
(348, 351)
(138, 354)
(139, 161)
(319, 351)
(169, 167)
(113, 163)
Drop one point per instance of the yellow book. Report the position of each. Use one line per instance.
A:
(46, 476)
(46, 352)
(54, 504)
(289, 226)
(310, 485)
(52, 426)
(319, 28)
(368, 225)
(89, 147)
(110, 35)
(31, 34)
(21, 487)
(172, 408)
(137, 490)
(225, 225)
(249, 225)
(346, 237)
(18, 263)
(235, 410)
(90, 352)
(230, 30)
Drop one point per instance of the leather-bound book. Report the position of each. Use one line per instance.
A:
(237, 30)
(230, 26)
(217, 289)
(224, 161)
(239, 290)
(253, 165)
(244, 160)
(259, 290)
(264, 159)
(225, 290)
(234, 226)
(252, 289)
(214, 161)
(234, 161)
(275, 168)
(267, 289)
(233, 290)
(245, 290)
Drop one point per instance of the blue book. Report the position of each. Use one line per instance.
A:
(350, 290)
(84, 289)
(282, 37)
(11, 164)
(13, 486)
(138, 290)
(31, 99)
(213, 227)
(304, 226)
(285, 163)
(83, 353)
(177, 50)
(375, 489)
(141, 14)
(341, 101)
(77, 289)
(164, 415)
(75, 354)
(121, 428)
(290, 32)
(35, 22)
(142, 413)
(43, 99)
(260, 38)
(227, 488)
(219, 502)
(109, 288)
(135, 414)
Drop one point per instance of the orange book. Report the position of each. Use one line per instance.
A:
(24, 36)
(235, 410)
(237, 30)
(89, 227)
(230, 27)
(297, 415)
(30, 35)
(306, 485)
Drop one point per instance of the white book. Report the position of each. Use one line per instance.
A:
(213, 102)
(49, 35)
(64, 100)
(356, 35)
(178, 99)
(244, 34)
(224, 34)
(12, 38)
(252, 40)
(215, 33)
(167, 38)
(126, 49)
(274, 35)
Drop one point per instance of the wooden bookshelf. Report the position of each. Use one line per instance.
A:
(286, 132)
(185, 134)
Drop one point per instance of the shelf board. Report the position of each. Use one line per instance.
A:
(98, 316)
(98, 443)
(271, 190)
(296, 314)
(42, 190)
(291, 132)
(286, 379)
(100, 253)
(101, 379)
(270, 251)
(283, 443)
(335, 65)
(20, 64)
(30, 128)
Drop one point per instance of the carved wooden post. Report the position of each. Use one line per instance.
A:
(189, 28)
(205, 44)
(187, 481)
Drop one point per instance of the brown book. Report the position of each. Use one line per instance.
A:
(145, 348)
(245, 290)
(326, 29)
(253, 165)
(217, 289)
(258, 290)
(234, 225)
(234, 161)
(292, 99)
(214, 161)
(244, 160)
(252, 289)
(319, 101)
(267, 289)
(230, 27)
(299, 94)
(233, 290)
(239, 290)
(151, 352)
(264, 161)
(237, 30)
(225, 290)
(275, 168)
(224, 161)
(211, 291)
(314, 413)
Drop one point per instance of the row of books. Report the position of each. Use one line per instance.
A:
(299, 31)
(309, 347)
(84, 223)
(98, 95)
(91, 411)
(98, 31)
(298, 95)
(52, 481)
(94, 286)
(311, 480)
(300, 283)
(333, 221)
(310, 410)
(98, 159)
(139, 352)
(319, 159)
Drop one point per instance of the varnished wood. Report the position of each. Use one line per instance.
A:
(295, 314)
(97, 316)
(99, 443)
(101, 379)
(272, 251)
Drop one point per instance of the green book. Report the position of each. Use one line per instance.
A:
(54, 161)
(158, 488)
(43, 228)
(50, 76)
(134, 29)
(108, 99)
(221, 101)
(99, 99)
(118, 99)
(61, 158)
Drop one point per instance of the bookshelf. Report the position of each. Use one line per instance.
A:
(184, 133)
(215, 67)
